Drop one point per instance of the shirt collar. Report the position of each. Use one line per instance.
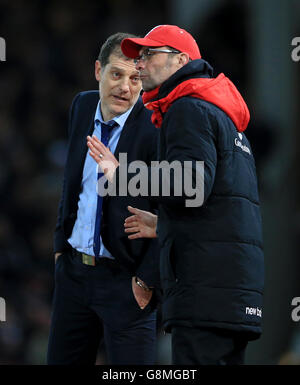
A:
(120, 119)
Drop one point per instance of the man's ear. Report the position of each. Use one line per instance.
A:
(184, 58)
(97, 70)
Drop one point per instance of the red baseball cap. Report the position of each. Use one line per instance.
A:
(169, 35)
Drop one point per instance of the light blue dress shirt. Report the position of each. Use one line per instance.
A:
(82, 237)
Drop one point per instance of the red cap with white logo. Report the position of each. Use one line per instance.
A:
(162, 35)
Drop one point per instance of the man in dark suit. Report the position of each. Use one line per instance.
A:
(105, 286)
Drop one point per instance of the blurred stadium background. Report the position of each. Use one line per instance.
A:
(51, 47)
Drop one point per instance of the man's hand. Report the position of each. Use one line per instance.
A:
(141, 295)
(142, 223)
(56, 255)
(103, 156)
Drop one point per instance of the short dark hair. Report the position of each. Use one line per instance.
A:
(113, 45)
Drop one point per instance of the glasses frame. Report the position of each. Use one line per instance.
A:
(146, 55)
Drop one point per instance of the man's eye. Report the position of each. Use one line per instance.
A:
(148, 53)
(115, 74)
(136, 79)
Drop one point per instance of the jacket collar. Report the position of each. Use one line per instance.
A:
(195, 69)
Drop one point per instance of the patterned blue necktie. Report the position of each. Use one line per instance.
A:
(105, 134)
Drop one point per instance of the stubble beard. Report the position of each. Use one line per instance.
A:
(148, 85)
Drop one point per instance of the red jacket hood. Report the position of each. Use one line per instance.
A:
(219, 91)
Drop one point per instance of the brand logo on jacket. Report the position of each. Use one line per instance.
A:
(238, 143)
(254, 311)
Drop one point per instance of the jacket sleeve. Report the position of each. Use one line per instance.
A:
(191, 140)
(60, 243)
(148, 270)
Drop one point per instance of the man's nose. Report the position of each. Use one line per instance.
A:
(124, 85)
(140, 64)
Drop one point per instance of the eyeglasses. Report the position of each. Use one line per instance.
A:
(146, 55)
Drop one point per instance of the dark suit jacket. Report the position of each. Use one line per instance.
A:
(139, 140)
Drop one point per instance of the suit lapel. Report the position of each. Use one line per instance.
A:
(83, 126)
